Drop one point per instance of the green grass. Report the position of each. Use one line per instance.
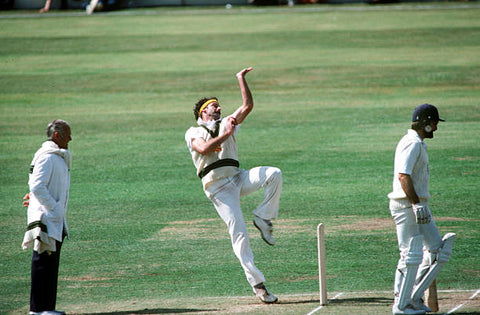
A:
(334, 91)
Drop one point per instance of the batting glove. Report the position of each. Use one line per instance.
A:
(422, 213)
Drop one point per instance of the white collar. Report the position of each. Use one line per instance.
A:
(209, 124)
(414, 134)
(50, 147)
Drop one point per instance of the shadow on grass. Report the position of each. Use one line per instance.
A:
(283, 302)
(353, 301)
(154, 311)
(362, 300)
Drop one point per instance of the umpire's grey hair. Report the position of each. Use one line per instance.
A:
(57, 125)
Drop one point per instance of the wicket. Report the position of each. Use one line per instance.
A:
(322, 277)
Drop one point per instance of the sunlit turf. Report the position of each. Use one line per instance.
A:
(333, 91)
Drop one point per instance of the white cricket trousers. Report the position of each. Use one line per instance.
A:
(225, 195)
(407, 226)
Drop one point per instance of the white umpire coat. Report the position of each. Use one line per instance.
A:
(49, 184)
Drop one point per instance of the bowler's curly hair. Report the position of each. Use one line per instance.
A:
(199, 104)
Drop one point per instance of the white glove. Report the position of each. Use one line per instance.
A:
(422, 213)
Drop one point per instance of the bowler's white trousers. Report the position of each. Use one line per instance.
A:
(407, 227)
(225, 195)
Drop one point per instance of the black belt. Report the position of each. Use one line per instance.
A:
(217, 164)
(36, 224)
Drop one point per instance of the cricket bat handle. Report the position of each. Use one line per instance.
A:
(431, 296)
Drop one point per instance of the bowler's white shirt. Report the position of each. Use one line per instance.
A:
(227, 150)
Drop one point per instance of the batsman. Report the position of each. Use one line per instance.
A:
(423, 251)
(213, 146)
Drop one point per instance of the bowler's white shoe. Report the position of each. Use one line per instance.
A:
(407, 310)
(48, 313)
(266, 229)
(264, 295)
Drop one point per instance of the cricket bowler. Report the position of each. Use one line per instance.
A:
(213, 146)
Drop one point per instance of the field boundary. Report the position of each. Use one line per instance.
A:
(246, 10)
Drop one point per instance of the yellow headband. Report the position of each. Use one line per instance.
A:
(210, 101)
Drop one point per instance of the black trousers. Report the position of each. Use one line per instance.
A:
(43, 294)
